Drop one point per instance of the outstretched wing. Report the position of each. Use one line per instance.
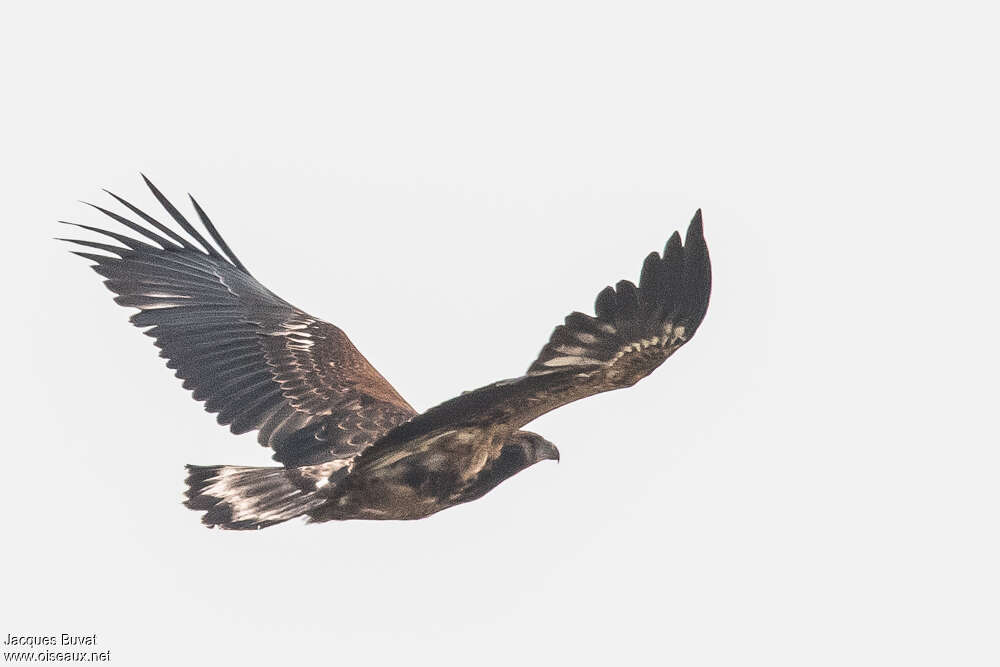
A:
(253, 358)
(636, 329)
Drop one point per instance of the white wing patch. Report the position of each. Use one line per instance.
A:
(158, 305)
(164, 295)
(293, 331)
(572, 349)
(298, 341)
(574, 360)
(577, 355)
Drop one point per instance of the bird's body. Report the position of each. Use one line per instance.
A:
(350, 446)
(416, 477)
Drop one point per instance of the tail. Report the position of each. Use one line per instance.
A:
(243, 498)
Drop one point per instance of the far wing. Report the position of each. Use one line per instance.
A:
(636, 329)
(253, 358)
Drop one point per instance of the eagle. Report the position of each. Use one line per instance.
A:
(349, 446)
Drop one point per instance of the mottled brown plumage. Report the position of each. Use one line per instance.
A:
(350, 446)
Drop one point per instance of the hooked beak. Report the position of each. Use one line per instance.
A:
(538, 448)
(552, 452)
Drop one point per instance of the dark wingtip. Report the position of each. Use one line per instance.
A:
(112, 194)
(697, 274)
(184, 243)
(214, 233)
(98, 208)
(117, 198)
(149, 184)
(605, 304)
(155, 190)
(695, 229)
(180, 219)
(97, 259)
(674, 288)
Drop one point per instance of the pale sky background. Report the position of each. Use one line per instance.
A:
(812, 481)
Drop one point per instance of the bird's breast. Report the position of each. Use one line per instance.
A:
(420, 477)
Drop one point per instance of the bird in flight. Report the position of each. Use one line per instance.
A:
(350, 447)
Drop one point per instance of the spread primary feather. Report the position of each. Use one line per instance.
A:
(350, 447)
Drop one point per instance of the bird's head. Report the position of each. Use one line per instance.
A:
(535, 447)
(522, 450)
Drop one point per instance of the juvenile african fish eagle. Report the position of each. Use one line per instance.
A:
(350, 447)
